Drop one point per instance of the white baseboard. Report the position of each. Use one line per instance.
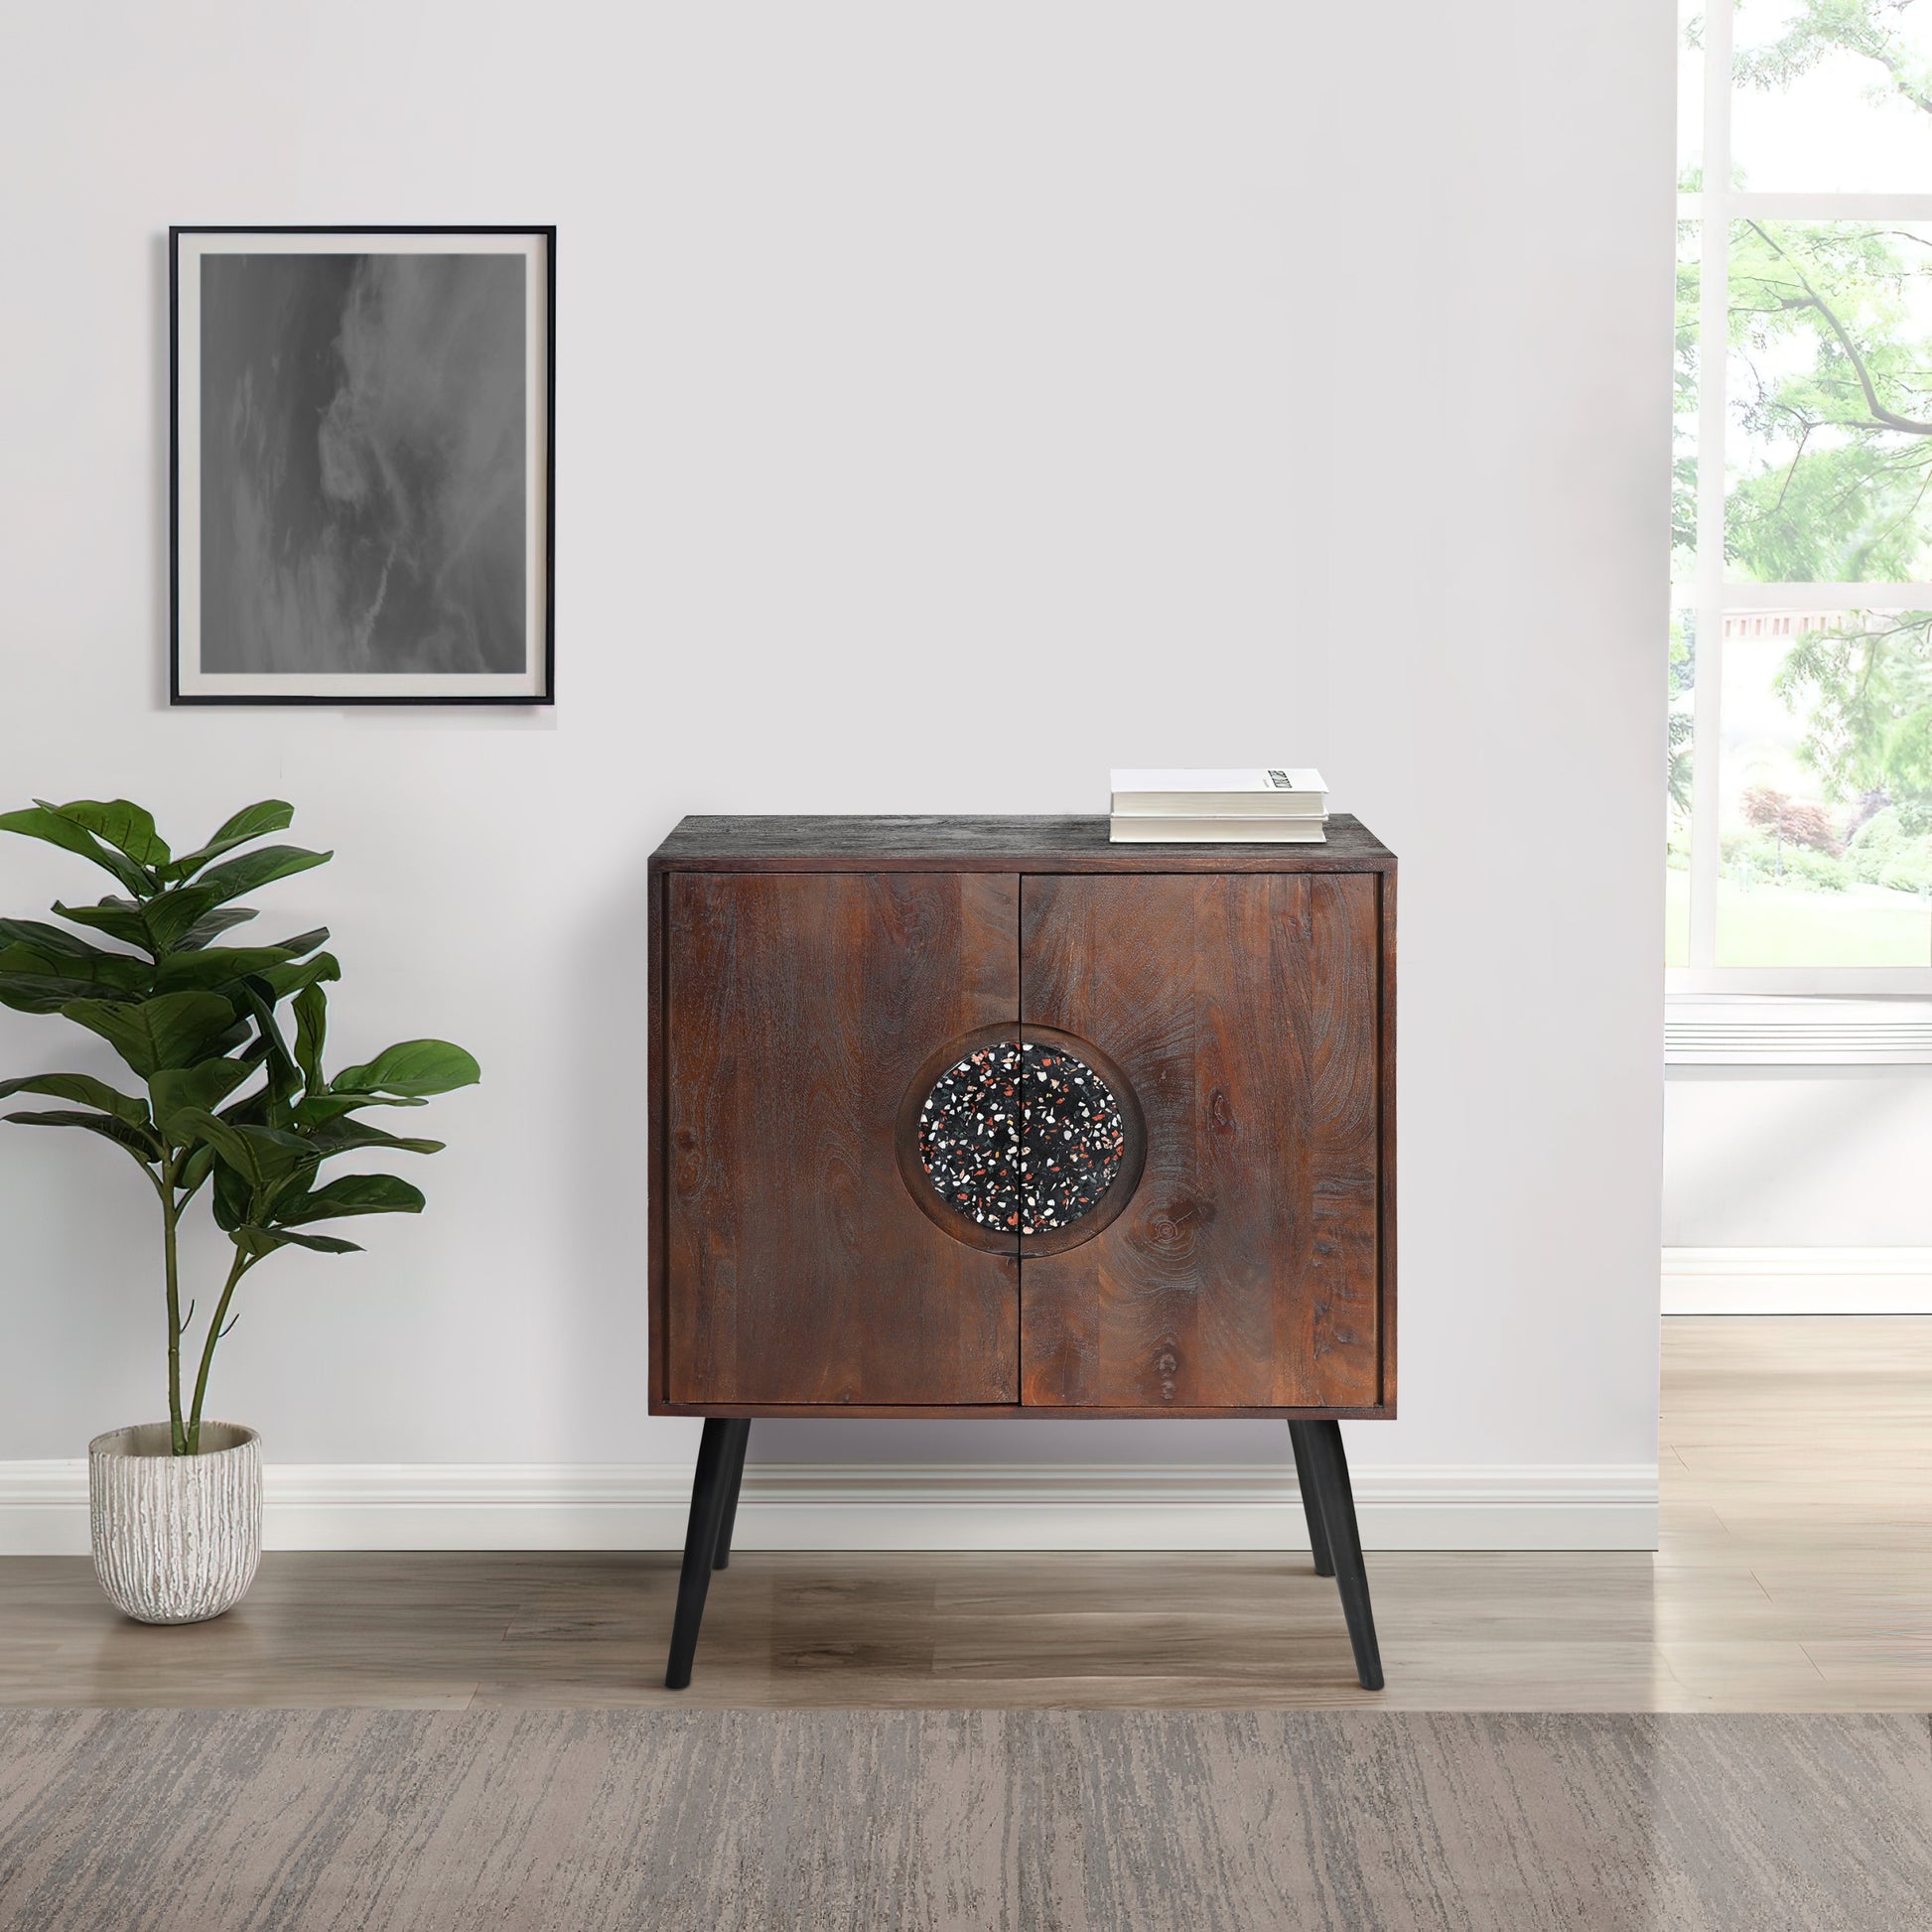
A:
(873, 1506)
(1798, 1280)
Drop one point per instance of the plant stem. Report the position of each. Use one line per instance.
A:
(241, 1266)
(170, 1215)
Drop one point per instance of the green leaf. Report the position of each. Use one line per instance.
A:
(126, 827)
(311, 1007)
(191, 1090)
(251, 1110)
(141, 1145)
(267, 1240)
(213, 967)
(85, 1088)
(34, 993)
(254, 870)
(305, 941)
(320, 1107)
(90, 965)
(233, 1203)
(45, 823)
(119, 918)
(284, 1076)
(176, 1030)
(322, 1244)
(41, 967)
(353, 1193)
(33, 982)
(264, 1157)
(51, 941)
(282, 981)
(253, 1053)
(181, 908)
(345, 1135)
(210, 925)
(251, 822)
(415, 1066)
(230, 1042)
(176, 914)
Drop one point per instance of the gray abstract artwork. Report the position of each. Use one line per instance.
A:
(363, 440)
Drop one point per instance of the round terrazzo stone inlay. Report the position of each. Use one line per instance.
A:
(1020, 1136)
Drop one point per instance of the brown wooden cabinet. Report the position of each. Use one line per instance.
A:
(798, 1269)
(991, 1117)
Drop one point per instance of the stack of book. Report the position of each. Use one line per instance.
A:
(1276, 805)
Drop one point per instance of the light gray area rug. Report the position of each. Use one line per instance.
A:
(228, 1821)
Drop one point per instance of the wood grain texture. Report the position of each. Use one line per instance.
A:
(1244, 1010)
(1022, 843)
(797, 1267)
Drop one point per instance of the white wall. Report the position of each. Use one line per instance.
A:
(1196, 384)
(1809, 1156)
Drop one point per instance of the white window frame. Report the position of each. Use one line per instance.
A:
(1708, 594)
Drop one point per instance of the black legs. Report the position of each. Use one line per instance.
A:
(1325, 1564)
(1321, 1467)
(1323, 1470)
(709, 1489)
(723, 1559)
(707, 1537)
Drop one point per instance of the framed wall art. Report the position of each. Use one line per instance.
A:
(362, 505)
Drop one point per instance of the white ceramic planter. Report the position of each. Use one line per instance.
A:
(176, 1538)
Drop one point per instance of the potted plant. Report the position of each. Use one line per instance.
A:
(227, 1108)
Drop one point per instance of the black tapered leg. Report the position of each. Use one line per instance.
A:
(736, 1444)
(1329, 1465)
(709, 1487)
(1325, 1564)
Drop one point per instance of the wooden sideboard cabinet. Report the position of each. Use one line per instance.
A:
(990, 1117)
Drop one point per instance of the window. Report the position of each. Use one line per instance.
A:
(1800, 658)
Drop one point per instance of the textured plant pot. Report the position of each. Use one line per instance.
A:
(176, 1538)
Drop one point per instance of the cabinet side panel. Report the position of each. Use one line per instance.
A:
(658, 1271)
(1244, 1011)
(799, 1008)
(1386, 1242)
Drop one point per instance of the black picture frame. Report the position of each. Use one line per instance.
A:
(187, 682)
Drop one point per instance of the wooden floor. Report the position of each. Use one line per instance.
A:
(1795, 1575)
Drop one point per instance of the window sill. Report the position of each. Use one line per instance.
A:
(1741, 1030)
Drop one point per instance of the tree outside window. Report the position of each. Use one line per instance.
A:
(1800, 667)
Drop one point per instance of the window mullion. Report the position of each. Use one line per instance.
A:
(1713, 375)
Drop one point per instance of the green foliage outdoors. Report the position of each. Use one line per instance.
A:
(1682, 724)
(1830, 341)
(1762, 861)
(1833, 382)
(225, 1102)
(1872, 30)
(1831, 385)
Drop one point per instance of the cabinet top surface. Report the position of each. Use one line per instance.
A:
(1032, 842)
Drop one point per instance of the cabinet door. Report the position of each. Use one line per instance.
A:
(799, 1008)
(1243, 1010)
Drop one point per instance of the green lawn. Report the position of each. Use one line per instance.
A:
(1788, 925)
